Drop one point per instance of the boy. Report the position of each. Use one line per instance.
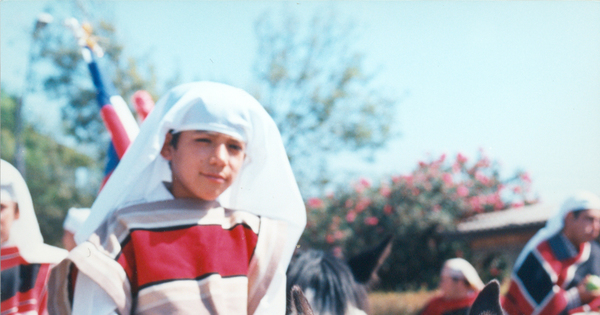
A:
(26, 260)
(459, 286)
(550, 274)
(163, 236)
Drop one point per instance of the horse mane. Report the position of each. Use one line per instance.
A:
(328, 280)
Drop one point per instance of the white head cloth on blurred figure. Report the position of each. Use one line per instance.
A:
(462, 269)
(25, 232)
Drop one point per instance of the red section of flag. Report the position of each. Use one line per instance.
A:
(117, 131)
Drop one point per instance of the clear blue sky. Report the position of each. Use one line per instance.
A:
(519, 79)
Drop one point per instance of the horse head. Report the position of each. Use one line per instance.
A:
(332, 285)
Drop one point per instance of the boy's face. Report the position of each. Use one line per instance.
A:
(203, 163)
(583, 228)
(9, 213)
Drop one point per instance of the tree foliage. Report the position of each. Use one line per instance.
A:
(413, 208)
(69, 80)
(314, 85)
(50, 176)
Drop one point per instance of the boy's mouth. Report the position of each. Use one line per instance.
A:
(215, 177)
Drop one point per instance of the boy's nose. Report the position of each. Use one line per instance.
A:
(220, 155)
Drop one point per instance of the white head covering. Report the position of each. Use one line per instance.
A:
(460, 268)
(75, 218)
(265, 185)
(25, 231)
(582, 200)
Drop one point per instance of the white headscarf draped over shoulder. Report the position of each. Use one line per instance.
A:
(25, 232)
(265, 185)
(581, 200)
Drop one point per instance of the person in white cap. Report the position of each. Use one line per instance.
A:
(26, 260)
(201, 216)
(73, 221)
(458, 288)
(552, 271)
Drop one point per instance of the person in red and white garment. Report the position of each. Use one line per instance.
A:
(459, 286)
(201, 216)
(26, 260)
(550, 275)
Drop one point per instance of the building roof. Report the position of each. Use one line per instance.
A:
(536, 214)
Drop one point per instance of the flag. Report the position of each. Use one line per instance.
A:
(115, 113)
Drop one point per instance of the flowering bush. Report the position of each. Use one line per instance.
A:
(413, 207)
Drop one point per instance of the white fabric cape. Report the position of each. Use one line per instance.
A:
(25, 231)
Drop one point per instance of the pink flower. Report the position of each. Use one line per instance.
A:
(517, 204)
(362, 204)
(365, 182)
(385, 191)
(349, 203)
(351, 216)
(396, 179)
(517, 189)
(447, 178)
(315, 202)
(475, 204)
(338, 235)
(525, 177)
(329, 238)
(436, 208)
(337, 252)
(492, 198)
(482, 178)
(442, 159)
(387, 209)
(456, 167)
(461, 158)
(371, 221)
(462, 191)
(362, 184)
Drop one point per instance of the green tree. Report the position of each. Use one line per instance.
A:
(314, 84)
(51, 169)
(70, 82)
(414, 208)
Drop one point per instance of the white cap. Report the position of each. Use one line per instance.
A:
(460, 268)
(75, 218)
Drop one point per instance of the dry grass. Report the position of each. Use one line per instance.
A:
(395, 303)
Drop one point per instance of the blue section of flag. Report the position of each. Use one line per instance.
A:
(102, 95)
(112, 160)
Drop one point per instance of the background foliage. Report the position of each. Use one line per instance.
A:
(50, 175)
(414, 208)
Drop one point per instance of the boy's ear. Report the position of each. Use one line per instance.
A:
(167, 148)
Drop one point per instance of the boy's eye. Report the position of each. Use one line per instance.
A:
(235, 147)
(205, 140)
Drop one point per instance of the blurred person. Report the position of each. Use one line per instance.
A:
(201, 216)
(552, 271)
(26, 260)
(73, 221)
(458, 289)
